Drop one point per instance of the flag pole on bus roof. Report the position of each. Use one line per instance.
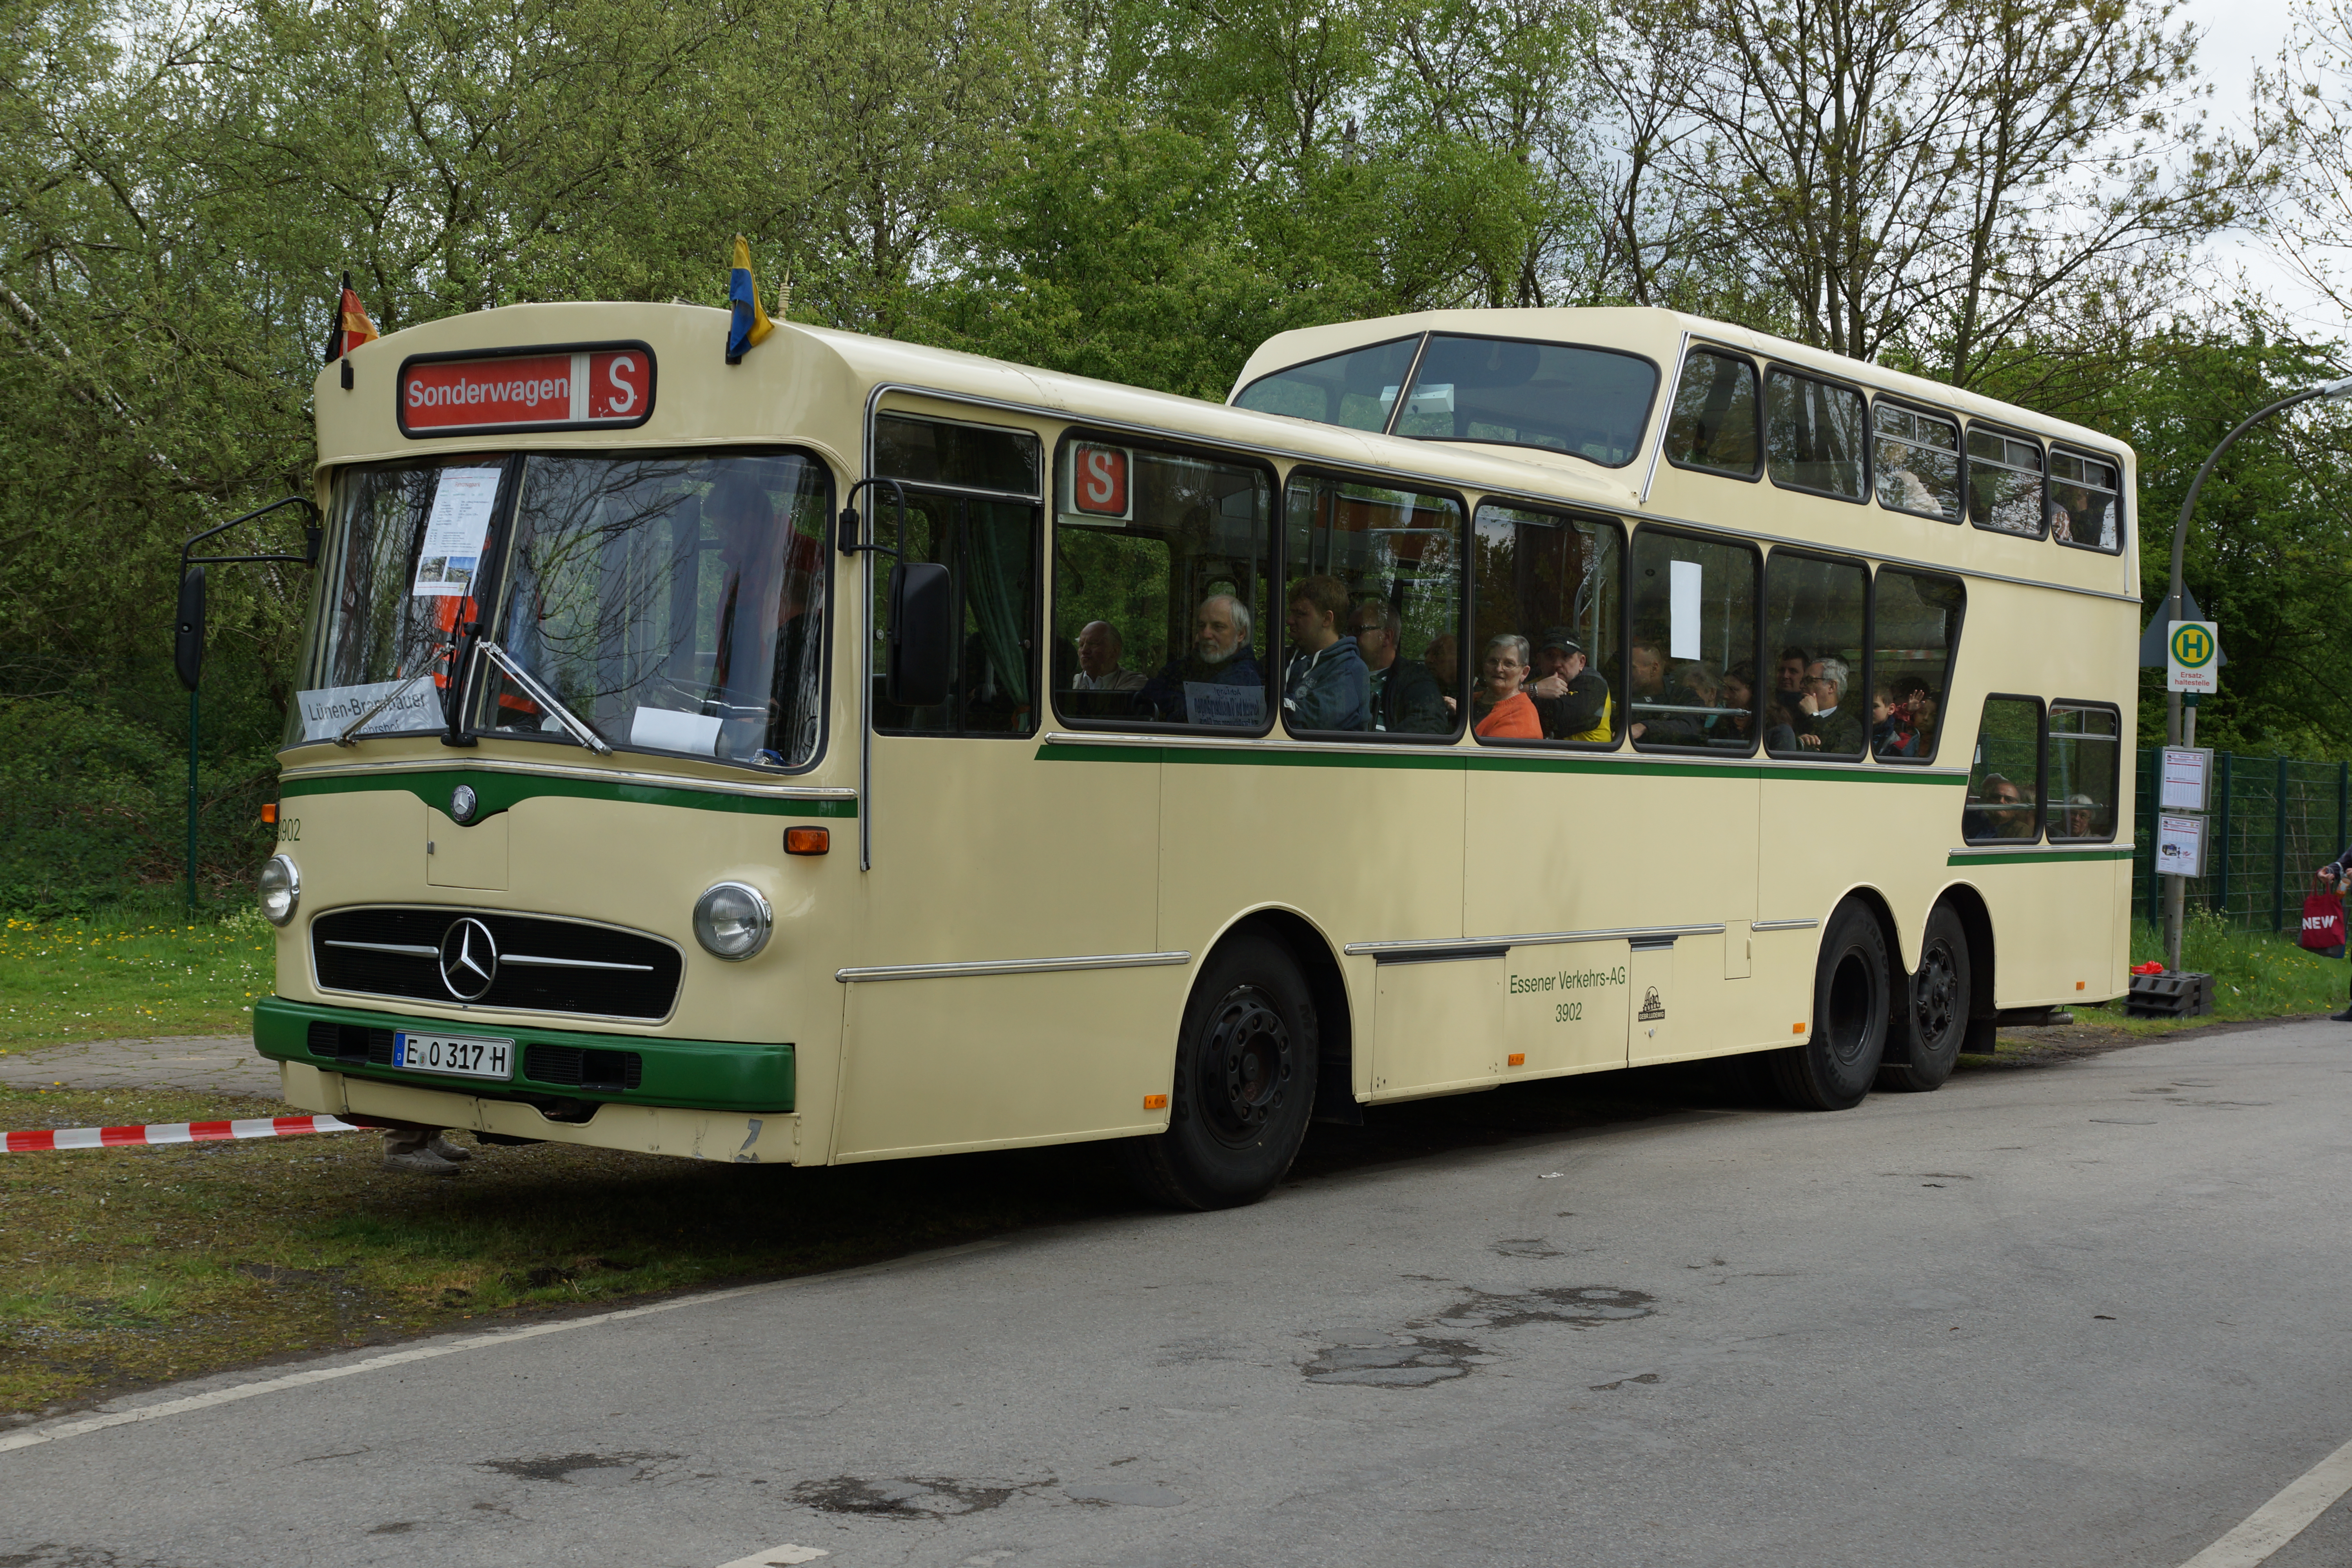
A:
(2180, 730)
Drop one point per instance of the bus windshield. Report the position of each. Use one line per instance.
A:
(673, 603)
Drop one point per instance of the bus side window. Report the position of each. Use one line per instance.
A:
(1812, 626)
(2083, 504)
(1915, 629)
(964, 486)
(1556, 581)
(2005, 483)
(1385, 568)
(1161, 564)
(1694, 640)
(2085, 762)
(1917, 462)
(2004, 804)
(1813, 435)
(1713, 423)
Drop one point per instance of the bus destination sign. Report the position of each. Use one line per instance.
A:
(611, 386)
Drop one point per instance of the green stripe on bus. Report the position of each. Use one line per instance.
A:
(2037, 856)
(690, 1075)
(1509, 762)
(499, 791)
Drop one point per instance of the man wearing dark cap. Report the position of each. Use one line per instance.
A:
(1571, 698)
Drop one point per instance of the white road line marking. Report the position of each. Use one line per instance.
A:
(2283, 1518)
(58, 1431)
(779, 1556)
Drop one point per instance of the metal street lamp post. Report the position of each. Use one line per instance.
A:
(2178, 732)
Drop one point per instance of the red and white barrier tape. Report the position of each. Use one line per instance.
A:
(173, 1132)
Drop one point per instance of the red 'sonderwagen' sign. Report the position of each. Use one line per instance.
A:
(548, 389)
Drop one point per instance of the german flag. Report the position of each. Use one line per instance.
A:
(350, 326)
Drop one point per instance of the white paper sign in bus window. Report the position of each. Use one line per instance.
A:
(455, 532)
(1229, 707)
(1683, 601)
(328, 712)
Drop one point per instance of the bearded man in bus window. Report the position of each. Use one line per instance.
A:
(1220, 655)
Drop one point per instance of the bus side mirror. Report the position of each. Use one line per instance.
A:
(188, 635)
(922, 636)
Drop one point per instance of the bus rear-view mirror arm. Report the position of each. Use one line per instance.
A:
(188, 626)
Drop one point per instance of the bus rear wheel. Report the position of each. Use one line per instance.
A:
(1932, 1021)
(1245, 1084)
(1833, 1069)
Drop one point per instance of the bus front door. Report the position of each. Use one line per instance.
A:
(1004, 991)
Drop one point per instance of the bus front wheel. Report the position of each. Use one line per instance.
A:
(1833, 1069)
(1928, 1030)
(1245, 1084)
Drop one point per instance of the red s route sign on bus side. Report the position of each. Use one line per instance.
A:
(607, 386)
(1099, 479)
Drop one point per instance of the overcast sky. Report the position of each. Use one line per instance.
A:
(2242, 37)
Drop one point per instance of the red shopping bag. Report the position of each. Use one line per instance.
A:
(2323, 921)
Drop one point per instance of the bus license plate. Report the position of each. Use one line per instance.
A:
(451, 1054)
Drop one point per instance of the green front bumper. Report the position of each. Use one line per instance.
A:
(693, 1075)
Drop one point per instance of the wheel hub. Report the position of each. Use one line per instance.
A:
(1245, 1064)
(1936, 994)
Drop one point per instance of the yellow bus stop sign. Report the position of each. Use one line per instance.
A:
(2192, 657)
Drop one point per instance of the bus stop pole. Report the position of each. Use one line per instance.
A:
(192, 800)
(2176, 732)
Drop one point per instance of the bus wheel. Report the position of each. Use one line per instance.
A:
(1245, 1084)
(1927, 1033)
(1833, 1070)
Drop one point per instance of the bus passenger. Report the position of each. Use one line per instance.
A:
(1444, 660)
(1405, 696)
(2001, 810)
(1736, 727)
(1789, 694)
(1325, 686)
(1828, 729)
(1099, 648)
(1647, 683)
(1570, 696)
(1504, 711)
(2082, 819)
(1220, 655)
(1891, 734)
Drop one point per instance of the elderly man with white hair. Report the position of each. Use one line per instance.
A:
(1829, 726)
(1100, 650)
(1221, 655)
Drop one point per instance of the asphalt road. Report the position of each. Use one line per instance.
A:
(2093, 1314)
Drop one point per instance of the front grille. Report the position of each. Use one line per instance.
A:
(570, 1065)
(394, 952)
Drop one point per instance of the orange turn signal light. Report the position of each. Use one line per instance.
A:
(1155, 1103)
(808, 840)
(1796, 1029)
(2079, 984)
(1517, 1058)
(269, 814)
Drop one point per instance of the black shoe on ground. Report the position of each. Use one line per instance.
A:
(2342, 1017)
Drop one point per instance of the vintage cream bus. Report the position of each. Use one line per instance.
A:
(866, 751)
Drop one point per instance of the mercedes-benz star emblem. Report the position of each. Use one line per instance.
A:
(469, 960)
(462, 802)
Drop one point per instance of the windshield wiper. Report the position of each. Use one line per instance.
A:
(395, 695)
(573, 723)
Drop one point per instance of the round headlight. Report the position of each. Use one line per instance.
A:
(731, 921)
(280, 887)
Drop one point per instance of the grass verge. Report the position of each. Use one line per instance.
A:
(139, 973)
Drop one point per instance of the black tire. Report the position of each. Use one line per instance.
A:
(1931, 1013)
(1245, 1084)
(1833, 1069)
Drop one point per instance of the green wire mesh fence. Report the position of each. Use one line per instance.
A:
(2274, 821)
